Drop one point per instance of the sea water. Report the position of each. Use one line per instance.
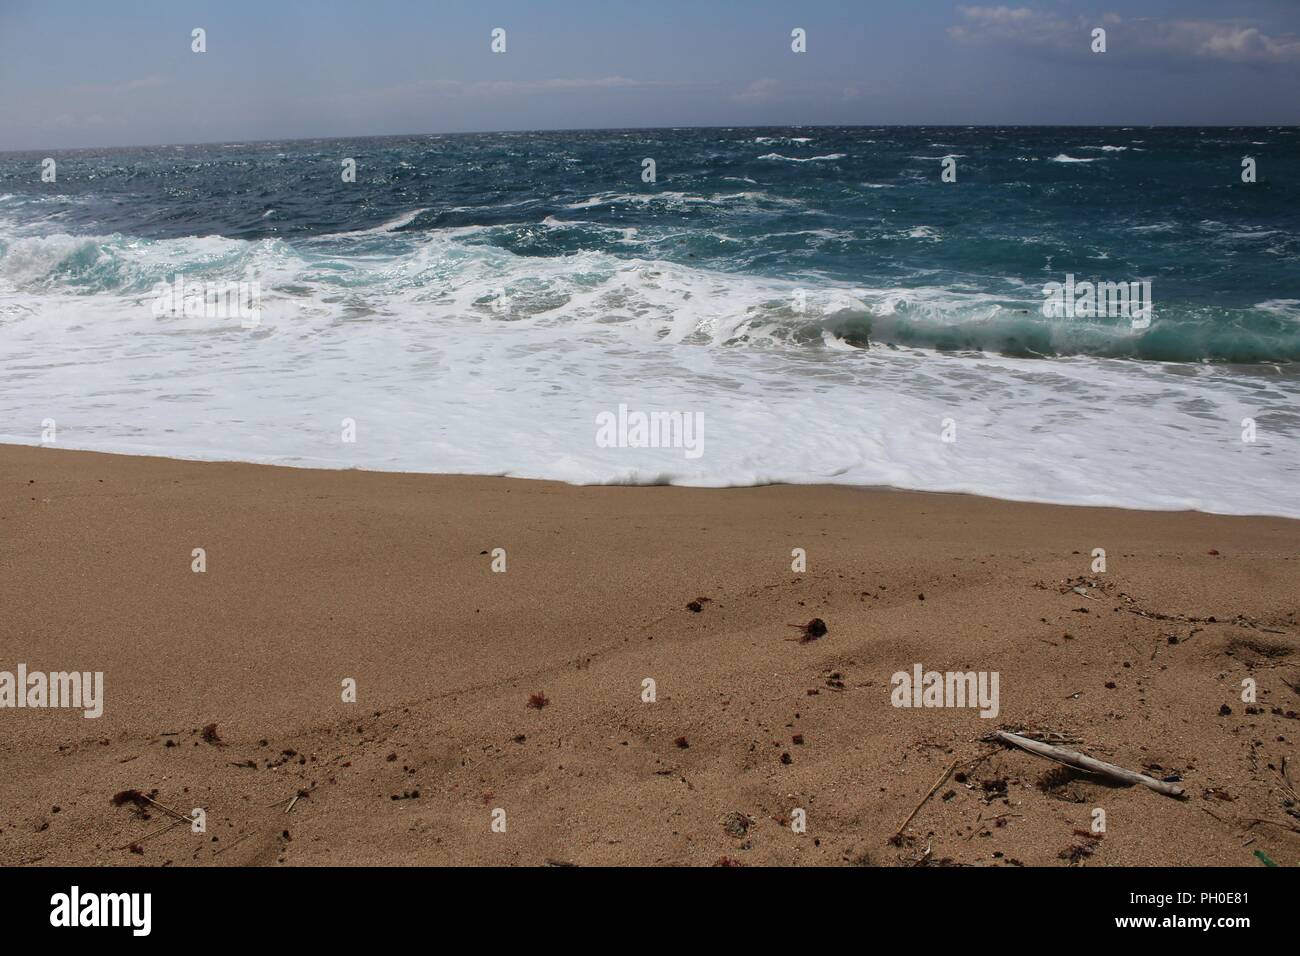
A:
(820, 300)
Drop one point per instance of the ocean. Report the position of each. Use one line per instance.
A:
(818, 304)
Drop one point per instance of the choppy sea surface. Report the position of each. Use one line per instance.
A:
(826, 303)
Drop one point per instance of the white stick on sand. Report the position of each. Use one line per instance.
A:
(1085, 762)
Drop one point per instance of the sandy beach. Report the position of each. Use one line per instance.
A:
(520, 695)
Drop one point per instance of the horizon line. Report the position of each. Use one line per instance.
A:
(643, 129)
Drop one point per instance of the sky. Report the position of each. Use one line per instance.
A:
(87, 73)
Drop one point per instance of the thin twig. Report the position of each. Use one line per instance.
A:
(231, 846)
(152, 833)
(937, 784)
(972, 764)
(294, 799)
(1273, 823)
(166, 809)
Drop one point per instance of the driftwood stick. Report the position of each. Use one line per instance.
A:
(1084, 762)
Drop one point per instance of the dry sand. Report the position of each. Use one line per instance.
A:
(316, 576)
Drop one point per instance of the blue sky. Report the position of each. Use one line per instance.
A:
(82, 73)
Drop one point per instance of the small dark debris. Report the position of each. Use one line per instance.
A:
(995, 786)
(1077, 852)
(811, 631)
(737, 824)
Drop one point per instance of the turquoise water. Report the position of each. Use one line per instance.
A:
(820, 295)
(862, 207)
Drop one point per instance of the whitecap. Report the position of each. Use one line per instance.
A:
(810, 159)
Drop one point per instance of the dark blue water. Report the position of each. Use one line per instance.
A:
(841, 207)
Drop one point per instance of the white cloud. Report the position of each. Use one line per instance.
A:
(525, 87)
(1020, 24)
(1225, 42)
(759, 91)
(997, 14)
(1028, 26)
(152, 81)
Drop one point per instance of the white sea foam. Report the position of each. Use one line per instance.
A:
(665, 196)
(1062, 158)
(404, 338)
(806, 159)
(1287, 307)
(672, 198)
(405, 219)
